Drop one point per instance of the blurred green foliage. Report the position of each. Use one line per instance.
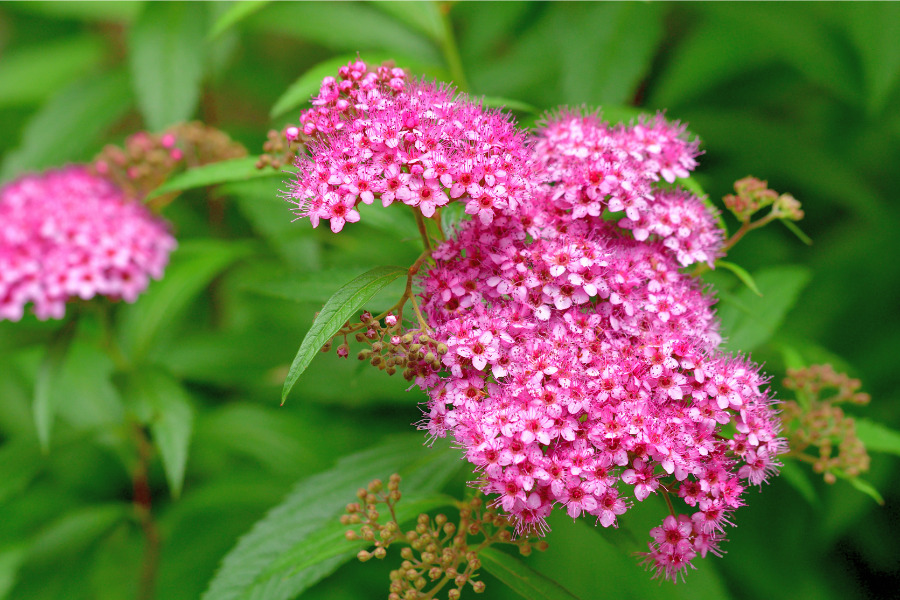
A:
(804, 95)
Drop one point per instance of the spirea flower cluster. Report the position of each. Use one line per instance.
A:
(68, 234)
(376, 134)
(580, 364)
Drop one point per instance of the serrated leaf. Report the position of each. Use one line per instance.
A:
(877, 437)
(256, 569)
(59, 62)
(750, 327)
(741, 273)
(521, 578)
(45, 403)
(234, 15)
(799, 480)
(226, 171)
(193, 266)
(307, 85)
(79, 114)
(166, 55)
(170, 416)
(339, 308)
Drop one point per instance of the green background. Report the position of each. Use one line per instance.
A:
(804, 95)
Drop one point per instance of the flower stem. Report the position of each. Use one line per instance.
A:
(142, 502)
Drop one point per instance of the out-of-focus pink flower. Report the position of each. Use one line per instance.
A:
(68, 234)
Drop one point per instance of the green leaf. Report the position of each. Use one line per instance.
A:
(798, 479)
(59, 62)
(877, 437)
(396, 221)
(795, 229)
(170, 417)
(307, 85)
(114, 11)
(758, 317)
(424, 17)
(45, 404)
(339, 308)
(20, 462)
(316, 287)
(344, 27)
(80, 114)
(741, 273)
(166, 54)
(451, 215)
(76, 530)
(508, 104)
(866, 488)
(236, 169)
(521, 578)
(11, 558)
(193, 266)
(306, 526)
(234, 15)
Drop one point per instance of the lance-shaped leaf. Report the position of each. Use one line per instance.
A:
(339, 308)
(302, 540)
(877, 437)
(80, 114)
(521, 578)
(166, 408)
(166, 52)
(226, 171)
(48, 372)
(751, 320)
(237, 12)
(741, 273)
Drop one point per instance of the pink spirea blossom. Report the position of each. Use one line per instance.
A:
(377, 135)
(68, 234)
(582, 366)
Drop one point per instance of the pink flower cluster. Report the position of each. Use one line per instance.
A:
(582, 365)
(377, 135)
(67, 234)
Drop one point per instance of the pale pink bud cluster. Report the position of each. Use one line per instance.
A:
(68, 234)
(378, 136)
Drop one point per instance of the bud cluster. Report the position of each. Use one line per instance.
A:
(148, 159)
(752, 195)
(281, 148)
(439, 552)
(390, 347)
(815, 421)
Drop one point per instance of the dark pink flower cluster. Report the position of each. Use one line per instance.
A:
(67, 234)
(378, 135)
(582, 366)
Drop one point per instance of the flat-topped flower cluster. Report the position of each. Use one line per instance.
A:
(581, 364)
(68, 234)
